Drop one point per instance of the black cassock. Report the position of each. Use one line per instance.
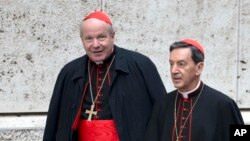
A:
(135, 85)
(209, 119)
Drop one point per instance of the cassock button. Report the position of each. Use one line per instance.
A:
(98, 102)
(100, 72)
(183, 127)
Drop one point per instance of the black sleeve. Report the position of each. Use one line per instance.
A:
(53, 112)
(154, 128)
(229, 114)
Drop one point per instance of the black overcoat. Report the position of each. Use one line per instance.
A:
(136, 85)
(211, 118)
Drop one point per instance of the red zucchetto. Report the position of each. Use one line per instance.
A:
(100, 15)
(195, 44)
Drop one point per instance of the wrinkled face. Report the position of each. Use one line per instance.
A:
(185, 73)
(97, 39)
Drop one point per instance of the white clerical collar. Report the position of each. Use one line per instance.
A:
(101, 62)
(98, 63)
(185, 94)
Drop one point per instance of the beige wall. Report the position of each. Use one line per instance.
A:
(37, 37)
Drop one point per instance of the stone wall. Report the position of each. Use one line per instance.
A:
(37, 37)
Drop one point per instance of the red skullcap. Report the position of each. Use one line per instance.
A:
(195, 44)
(100, 16)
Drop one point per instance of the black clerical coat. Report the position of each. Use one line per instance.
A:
(211, 117)
(136, 85)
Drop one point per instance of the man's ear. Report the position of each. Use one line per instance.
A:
(199, 68)
(112, 35)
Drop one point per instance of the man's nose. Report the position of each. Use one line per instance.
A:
(96, 43)
(174, 69)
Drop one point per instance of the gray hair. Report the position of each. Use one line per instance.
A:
(110, 29)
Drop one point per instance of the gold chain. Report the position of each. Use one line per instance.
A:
(175, 114)
(90, 83)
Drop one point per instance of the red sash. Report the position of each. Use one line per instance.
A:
(97, 130)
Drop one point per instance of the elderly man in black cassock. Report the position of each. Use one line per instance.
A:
(105, 95)
(195, 111)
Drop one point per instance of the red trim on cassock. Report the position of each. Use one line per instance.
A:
(76, 121)
(97, 130)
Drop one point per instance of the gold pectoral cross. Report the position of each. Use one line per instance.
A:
(91, 112)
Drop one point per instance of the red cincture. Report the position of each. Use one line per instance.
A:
(97, 130)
